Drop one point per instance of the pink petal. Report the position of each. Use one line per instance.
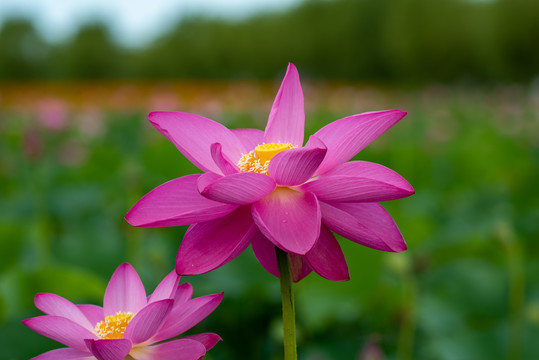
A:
(359, 181)
(287, 117)
(166, 288)
(184, 317)
(147, 321)
(60, 329)
(183, 293)
(367, 224)
(290, 219)
(211, 244)
(226, 166)
(52, 304)
(193, 136)
(174, 203)
(125, 292)
(65, 354)
(299, 267)
(93, 313)
(346, 137)
(179, 349)
(240, 188)
(207, 339)
(109, 349)
(342, 188)
(250, 138)
(265, 253)
(295, 166)
(326, 257)
(372, 171)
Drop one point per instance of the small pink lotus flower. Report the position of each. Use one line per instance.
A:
(267, 190)
(129, 323)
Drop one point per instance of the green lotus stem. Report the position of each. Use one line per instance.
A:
(287, 298)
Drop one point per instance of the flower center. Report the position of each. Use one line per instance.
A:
(258, 159)
(113, 327)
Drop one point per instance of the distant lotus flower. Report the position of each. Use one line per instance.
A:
(52, 114)
(371, 350)
(266, 189)
(129, 323)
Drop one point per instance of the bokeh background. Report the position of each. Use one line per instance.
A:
(76, 152)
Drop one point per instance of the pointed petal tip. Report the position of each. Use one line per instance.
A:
(132, 219)
(152, 116)
(407, 188)
(342, 277)
(125, 265)
(38, 296)
(400, 248)
(129, 218)
(400, 112)
(291, 67)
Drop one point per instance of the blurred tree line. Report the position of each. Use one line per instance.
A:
(374, 40)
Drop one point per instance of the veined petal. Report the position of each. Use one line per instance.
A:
(166, 288)
(193, 136)
(207, 339)
(211, 244)
(367, 224)
(176, 202)
(239, 189)
(184, 317)
(226, 166)
(179, 349)
(93, 313)
(125, 292)
(374, 181)
(327, 258)
(147, 321)
(183, 293)
(346, 137)
(288, 218)
(60, 329)
(109, 349)
(52, 304)
(287, 117)
(359, 181)
(250, 138)
(295, 166)
(65, 354)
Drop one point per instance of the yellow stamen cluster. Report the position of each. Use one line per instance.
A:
(113, 327)
(258, 160)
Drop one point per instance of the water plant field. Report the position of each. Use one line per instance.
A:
(75, 157)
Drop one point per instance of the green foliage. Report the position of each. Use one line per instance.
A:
(414, 41)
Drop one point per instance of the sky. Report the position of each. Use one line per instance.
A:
(133, 22)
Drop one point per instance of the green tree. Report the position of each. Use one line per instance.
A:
(23, 53)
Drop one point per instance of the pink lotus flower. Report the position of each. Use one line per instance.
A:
(266, 189)
(129, 323)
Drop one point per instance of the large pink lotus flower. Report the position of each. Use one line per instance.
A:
(129, 323)
(266, 189)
